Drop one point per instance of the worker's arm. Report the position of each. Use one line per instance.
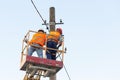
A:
(60, 41)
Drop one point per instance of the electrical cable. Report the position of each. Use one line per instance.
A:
(66, 70)
(40, 15)
(47, 28)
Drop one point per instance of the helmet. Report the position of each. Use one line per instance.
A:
(59, 30)
(40, 30)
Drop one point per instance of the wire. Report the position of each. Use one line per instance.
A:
(39, 14)
(66, 70)
(47, 28)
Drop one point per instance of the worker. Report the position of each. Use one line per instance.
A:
(53, 41)
(37, 42)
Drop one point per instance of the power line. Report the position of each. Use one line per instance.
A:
(39, 14)
(66, 70)
(47, 28)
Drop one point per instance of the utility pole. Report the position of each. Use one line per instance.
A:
(52, 19)
(52, 28)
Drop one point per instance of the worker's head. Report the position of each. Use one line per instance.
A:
(40, 30)
(59, 30)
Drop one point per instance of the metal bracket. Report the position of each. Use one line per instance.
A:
(53, 23)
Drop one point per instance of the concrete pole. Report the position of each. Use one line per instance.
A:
(52, 19)
(52, 28)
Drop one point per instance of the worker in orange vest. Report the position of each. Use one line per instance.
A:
(53, 41)
(37, 42)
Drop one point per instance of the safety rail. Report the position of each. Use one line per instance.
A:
(35, 65)
(60, 51)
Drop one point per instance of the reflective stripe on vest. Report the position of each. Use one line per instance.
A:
(54, 35)
(38, 38)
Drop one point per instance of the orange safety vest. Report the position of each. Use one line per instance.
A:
(53, 35)
(38, 38)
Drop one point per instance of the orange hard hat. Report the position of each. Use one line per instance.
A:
(59, 30)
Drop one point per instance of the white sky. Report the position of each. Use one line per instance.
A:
(91, 29)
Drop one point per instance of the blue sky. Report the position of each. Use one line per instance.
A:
(91, 29)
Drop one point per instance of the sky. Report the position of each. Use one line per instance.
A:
(91, 29)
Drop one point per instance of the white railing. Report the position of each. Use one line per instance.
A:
(60, 51)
